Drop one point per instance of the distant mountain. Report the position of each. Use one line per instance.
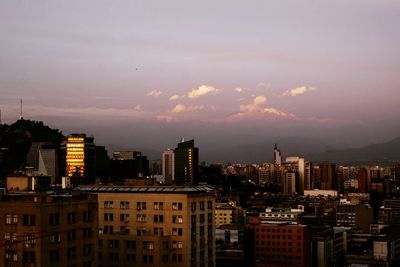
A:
(379, 153)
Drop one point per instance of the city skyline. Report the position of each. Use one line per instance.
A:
(221, 72)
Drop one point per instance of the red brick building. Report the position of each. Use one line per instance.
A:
(277, 244)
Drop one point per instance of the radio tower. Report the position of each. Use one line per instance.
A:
(20, 114)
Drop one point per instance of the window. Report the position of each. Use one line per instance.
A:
(113, 256)
(108, 229)
(86, 233)
(177, 231)
(54, 255)
(130, 257)
(87, 216)
(55, 238)
(177, 219)
(141, 231)
(113, 243)
(177, 244)
(124, 205)
(131, 244)
(141, 218)
(201, 205)
(108, 204)
(158, 205)
(158, 231)
(15, 218)
(158, 218)
(193, 206)
(71, 253)
(177, 205)
(141, 205)
(71, 216)
(71, 235)
(55, 219)
(148, 259)
(209, 205)
(8, 219)
(209, 218)
(28, 256)
(202, 218)
(148, 245)
(28, 220)
(124, 217)
(123, 230)
(108, 217)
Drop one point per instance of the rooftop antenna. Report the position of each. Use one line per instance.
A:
(20, 114)
(1, 122)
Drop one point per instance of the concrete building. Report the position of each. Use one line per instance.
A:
(303, 169)
(48, 229)
(78, 155)
(156, 226)
(186, 163)
(277, 244)
(48, 164)
(168, 166)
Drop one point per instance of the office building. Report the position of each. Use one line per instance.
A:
(78, 154)
(303, 169)
(186, 162)
(48, 164)
(168, 166)
(156, 226)
(328, 176)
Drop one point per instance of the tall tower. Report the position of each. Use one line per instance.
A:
(277, 156)
(186, 162)
(168, 166)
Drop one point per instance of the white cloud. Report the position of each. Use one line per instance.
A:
(137, 108)
(299, 91)
(276, 112)
(254, 106)
(202, 91)
(175, 97)
(179, 108)
(155, 93)
(238, 89)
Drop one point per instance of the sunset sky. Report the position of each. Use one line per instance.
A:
(146, 73)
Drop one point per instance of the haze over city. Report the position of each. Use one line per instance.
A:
(142, 74)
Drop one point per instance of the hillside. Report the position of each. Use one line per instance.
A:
(17, 138)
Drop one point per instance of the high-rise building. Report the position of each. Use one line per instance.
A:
(156, 226)
(329, 179)
(186, 162)
(303, 169)
(48, 229)
(168, 166)
(78, 151)
(277, 156)
(129, 164)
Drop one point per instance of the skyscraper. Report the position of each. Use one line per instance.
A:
(168, 166)
(186, 162)
(303, 168)
(277, 156)
(79, 154)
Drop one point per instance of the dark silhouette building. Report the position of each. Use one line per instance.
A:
(186, 162)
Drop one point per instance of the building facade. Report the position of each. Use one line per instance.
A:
(156, 226)
(48, 229)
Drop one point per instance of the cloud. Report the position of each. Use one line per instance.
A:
(154, 93)
(254, 106)
(165, 118)
(277, 112)
(238, 89)
(202, 91)
(175, 97)
(299, 91)
(180, 108)
(137, 108)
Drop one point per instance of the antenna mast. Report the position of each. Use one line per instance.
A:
(0, 118)
(20, 114)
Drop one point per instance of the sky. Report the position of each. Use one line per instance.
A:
(142, 74)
